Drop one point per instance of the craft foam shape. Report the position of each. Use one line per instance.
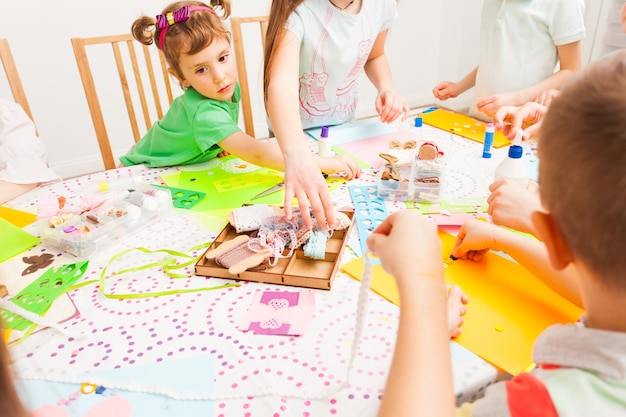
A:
(462, 125)
(369, 211)
(508, 306)
(240, 182)
(182, 198)
(39, 295)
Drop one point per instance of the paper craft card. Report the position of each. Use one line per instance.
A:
(279, 313)
(461, 125)
(14, 240)
(508, 306)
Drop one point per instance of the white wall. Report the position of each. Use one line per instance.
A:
(431, 41)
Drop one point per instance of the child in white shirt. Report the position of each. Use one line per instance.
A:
(23, 157)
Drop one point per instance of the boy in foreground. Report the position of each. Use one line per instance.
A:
(581, 368)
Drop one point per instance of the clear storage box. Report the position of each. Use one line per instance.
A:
(419, 181)
(118, 215)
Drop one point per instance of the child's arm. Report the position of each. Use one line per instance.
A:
(268, 155)
(475, 238)
(389, 103)
(447, 89)
(9, 190)
(302, 177)
(420, 378)
(570, 60)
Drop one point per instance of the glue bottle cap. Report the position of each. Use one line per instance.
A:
(515, 151)
(418, 122)
(324, 131)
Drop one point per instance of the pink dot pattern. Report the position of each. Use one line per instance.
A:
(126, 332)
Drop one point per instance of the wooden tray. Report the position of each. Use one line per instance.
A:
(297, 270)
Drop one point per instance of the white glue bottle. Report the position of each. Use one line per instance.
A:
(513, 167)
(323, 144)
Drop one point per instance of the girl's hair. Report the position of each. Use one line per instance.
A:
(10, 405)
(189, 36)
(279, 13)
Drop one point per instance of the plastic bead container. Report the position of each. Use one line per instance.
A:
(419, 182)
(83, 234)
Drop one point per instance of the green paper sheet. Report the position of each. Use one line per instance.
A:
(232, 183)
(14, 240)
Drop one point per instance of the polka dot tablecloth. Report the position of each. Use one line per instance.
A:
(137, 346)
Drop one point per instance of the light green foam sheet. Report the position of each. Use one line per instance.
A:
(232, 183)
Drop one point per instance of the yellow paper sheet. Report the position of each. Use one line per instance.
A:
(462, 125)
(17, 217)
(508, 306)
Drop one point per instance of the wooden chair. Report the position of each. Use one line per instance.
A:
(15, 84)
(240, 56)
(147, 90)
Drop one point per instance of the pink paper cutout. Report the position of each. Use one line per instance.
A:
(114, 406)
(279, 313)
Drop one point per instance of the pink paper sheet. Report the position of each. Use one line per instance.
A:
(367, 150)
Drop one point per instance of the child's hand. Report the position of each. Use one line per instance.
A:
(475, 238)
(390, 105)
(445, 90)
(546, 97)
(340, 163)
(510, 119)
(490, 105)
(456, 310)
(408, 246)
(511, 205)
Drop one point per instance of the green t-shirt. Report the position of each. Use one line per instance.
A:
(189, 133)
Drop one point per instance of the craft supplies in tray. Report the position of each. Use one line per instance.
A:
(101, 219)
(269, 249)
(414, 174)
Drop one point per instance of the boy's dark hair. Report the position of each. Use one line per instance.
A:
(583, 167)
(190, 36)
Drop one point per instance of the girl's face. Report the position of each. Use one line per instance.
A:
(212, 72)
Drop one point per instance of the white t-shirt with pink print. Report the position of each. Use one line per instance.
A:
(334, 47)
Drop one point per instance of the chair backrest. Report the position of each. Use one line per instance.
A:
(240, 56)
(147, 90)
(13, 77)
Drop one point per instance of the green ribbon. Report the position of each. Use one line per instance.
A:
(169, 267)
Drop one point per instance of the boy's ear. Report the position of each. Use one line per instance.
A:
(559, 253)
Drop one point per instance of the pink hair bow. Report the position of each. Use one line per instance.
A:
(164, 21)
(168, 19)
